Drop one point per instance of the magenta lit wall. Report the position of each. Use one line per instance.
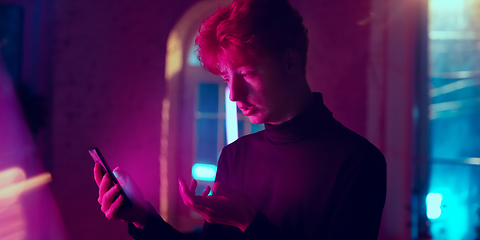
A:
(108, 84)
(338, 56)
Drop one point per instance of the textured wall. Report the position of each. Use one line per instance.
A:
(338, 56)
(108, 83)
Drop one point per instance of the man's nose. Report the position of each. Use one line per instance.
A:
(238, 90)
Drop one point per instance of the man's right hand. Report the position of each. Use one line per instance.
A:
(111, 207)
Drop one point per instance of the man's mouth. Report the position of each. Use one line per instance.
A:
(247, 111)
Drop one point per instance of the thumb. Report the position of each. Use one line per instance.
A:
(129, 185)
(221, 189)
(122, 176)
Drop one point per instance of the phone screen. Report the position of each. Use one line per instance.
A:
(98, 158)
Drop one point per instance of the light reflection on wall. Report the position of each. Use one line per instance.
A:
(174, 55)
(13, 183)
(11, 215)
(173, 65)
(27, 209)
(15, 188)
(164, 159)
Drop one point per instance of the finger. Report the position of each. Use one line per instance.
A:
(98, 173)
(103, 187)
(206, 191)
(184, 192)
(193, 185)
(112, 212)
(190, 200)
(108, 198)
(221, 189)
(187, 190)
(120, 175)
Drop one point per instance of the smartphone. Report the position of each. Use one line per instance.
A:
(98, 158)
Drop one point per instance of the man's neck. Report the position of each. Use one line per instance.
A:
(298, 101)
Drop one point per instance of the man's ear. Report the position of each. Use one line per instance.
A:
(292, 61)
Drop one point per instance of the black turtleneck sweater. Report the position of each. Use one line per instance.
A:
(309, 178)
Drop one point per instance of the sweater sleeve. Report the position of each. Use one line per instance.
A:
(359, 196)
(260, 228)
(156, 228)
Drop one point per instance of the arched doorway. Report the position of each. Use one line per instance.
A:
(194, 118)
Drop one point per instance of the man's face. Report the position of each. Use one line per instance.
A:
(259, 89)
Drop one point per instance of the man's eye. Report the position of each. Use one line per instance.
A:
(226, 80)
(247, 74)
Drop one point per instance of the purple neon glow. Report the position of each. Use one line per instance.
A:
(231, 116)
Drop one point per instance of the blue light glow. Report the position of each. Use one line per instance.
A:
(231, 116)
(204, 172)
(434, 202)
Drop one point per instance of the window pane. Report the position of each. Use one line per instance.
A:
(455, 79)
(454, 119)
(207, 141)
(208, 98)
(225, 133)
(192, 55)
(257, 127)
(200, 189)
(241, 128)
(455, 137)
(458, 212)
(11, 29)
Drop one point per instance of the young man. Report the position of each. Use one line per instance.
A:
(305, 176)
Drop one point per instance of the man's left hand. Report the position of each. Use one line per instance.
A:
(226, 206)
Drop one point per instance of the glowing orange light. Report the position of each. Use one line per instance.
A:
(13, 183)
(16, 189)
(174, 55)
(8, 178)
(164, 160)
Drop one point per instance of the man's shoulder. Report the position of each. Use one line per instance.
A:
(248, 139)
(350, 142)
(244, 144)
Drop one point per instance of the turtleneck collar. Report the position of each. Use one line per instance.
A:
(301, 125)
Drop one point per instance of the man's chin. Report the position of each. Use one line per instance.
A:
(255, 119)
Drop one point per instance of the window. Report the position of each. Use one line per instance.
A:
(453, 202)
(11, 33)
